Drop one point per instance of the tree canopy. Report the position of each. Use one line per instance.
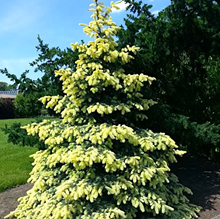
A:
(180, 48)
(5, 86)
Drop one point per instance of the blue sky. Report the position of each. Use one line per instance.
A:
(55, 21)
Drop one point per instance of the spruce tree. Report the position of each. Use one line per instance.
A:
(98, 163)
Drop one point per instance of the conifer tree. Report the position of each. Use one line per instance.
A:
(99, 164)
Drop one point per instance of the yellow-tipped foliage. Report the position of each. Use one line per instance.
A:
(99, 163)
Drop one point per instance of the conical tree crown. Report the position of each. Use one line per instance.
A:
(100, 87)
(99, 163)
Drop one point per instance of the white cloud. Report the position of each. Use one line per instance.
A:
(151, 0)
(122, 7)
(156, 12)
(19, 15)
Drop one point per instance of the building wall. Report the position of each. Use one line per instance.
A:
(8, 94)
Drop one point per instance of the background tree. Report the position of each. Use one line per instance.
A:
(49, 60)
(179, 49)
(99, 163)
(4, 86)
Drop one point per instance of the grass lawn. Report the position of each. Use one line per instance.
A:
(15, 163)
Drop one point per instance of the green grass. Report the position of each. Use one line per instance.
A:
(15, 163)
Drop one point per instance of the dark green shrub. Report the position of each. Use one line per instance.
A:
(6, 108)
(193, 137)
(205, 138)
(18, 136)
(27, 105)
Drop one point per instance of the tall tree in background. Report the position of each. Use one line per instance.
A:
(49, 60)
(179, 47)
(193, 43)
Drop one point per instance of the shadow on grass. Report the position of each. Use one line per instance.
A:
(202, 177)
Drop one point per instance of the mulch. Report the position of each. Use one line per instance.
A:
(199, 174)
(203, 178)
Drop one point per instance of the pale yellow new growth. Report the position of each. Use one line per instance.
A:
(87, 159)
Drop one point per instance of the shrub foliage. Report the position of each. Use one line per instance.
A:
(99, 163)
(19, 136)
(180, 47)
(197, 139)
(27, 105)
(7, 110)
